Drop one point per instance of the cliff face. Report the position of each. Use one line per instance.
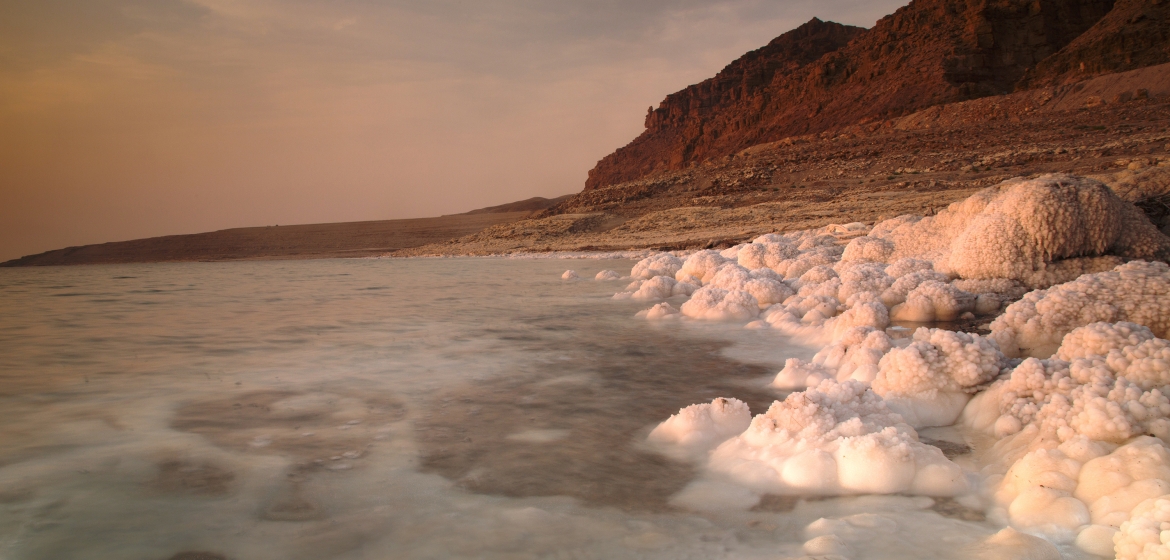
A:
(1135, 34)
(824, 75)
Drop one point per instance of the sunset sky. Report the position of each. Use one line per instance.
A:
(122, 119)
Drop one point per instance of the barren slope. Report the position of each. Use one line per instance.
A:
(1116, 127)
(927, 53)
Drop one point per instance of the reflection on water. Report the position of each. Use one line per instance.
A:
(376, 409)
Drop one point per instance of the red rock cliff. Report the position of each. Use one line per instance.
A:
(824, 75)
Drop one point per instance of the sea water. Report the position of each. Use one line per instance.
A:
(387, 408)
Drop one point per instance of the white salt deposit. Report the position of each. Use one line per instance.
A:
(658, 287)
(661, 264)
(1137, 291)
(928, 380)
(660, 311)
(1079, 456)
(1040, 232)
(838, 439)
(701, 427)
(716, 304)
(607, 275)
(1146, 534)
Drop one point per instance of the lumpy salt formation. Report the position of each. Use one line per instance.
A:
(1072, 378)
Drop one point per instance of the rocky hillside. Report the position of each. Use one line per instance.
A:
(1134, 34)
(928, 53)
(1115, 128)
(725, 104)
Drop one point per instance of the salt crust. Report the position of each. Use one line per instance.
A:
(1076, 460)
(838, 439)
(1040, 232)
(607, 275)
(700, 427)
(1136, 291)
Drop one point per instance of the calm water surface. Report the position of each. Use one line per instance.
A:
(370, 409)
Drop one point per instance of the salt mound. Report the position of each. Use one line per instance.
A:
(928, 380)
(763, 284)
(854, 355)
(838, 438)
(570, 275)
(1073, 437)
(933, 301)
(658, 287)
(1145, 536)
(700, 427)
(1081, 491)
(1077, 448)
(716, 304)
(1112, 390)
(1025, 230)
(766, 253)
(607, 275)
(701, 265)
(661, 264)
(1137, 291)
(660, 311)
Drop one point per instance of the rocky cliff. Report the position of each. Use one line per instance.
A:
(823, 75)
(1134, 34)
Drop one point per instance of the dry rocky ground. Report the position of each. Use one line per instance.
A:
(1115, 128)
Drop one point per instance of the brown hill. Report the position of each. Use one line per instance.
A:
(306, 241)
(534, 204)
(927, 53)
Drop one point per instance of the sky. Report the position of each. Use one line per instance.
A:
(122, 119)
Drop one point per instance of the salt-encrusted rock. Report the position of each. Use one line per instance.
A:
(1039, 232)
(766, 253)
(658, 287)
(927, 382)
(661, 311)
(700, 427)
(763, 284)
(1137, 291)
(868, 249)
(701, 265)
(901, 288)
(661, 264)
(716, 304)
(832, 439)
(933, 301)
(1145, 536)
(853, 355)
